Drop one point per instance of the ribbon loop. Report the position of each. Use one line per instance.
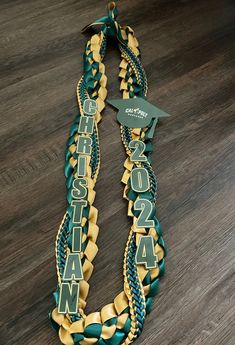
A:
(112, 10)
(108, 24)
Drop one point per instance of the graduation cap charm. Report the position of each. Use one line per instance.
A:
(137, 112)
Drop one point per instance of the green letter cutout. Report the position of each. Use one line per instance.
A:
(77, 239)
(68, 299)
(81, 167)
(77, 210)
(86, 125)
(89, 106)
(140, 180)
(73, 267)
(79, 190)
(137, 154)
(84, 145)
(145, 253)
(146, 207)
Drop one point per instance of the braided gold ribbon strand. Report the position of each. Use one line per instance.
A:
(121, 321)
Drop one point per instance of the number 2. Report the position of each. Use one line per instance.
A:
(146, 207)
(137, 154)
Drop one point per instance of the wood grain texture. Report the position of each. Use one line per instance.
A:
(188, 53)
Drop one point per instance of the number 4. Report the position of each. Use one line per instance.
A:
(145, 253)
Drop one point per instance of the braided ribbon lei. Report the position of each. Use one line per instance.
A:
(121, 321)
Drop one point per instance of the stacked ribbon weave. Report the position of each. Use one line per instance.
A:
(121, 321)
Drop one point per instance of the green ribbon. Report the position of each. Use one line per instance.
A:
(108, 24)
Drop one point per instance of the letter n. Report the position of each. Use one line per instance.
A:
(68, 299)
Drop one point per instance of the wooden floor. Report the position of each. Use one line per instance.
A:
(188, 53)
